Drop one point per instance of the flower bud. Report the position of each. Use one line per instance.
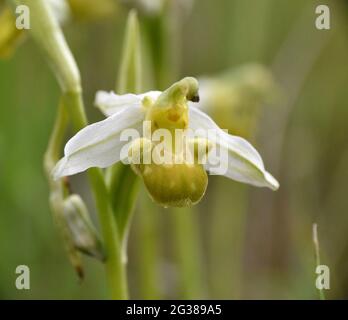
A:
(57, 206)
(81, 230)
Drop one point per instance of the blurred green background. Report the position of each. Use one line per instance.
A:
(248, 242)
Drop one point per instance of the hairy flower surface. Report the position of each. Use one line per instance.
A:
(179, 182)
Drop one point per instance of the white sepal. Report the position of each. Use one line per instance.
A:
(99, 144)
(243, 163)
(110, 102)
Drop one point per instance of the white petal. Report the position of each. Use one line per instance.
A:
(99, 144)
(243, 163)
(110, 102)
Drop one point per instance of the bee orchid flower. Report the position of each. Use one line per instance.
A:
(180, 183)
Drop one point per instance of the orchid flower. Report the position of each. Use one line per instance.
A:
(100, 144)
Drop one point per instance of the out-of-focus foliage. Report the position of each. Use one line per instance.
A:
(90, 10)
(10, 36)
(255, 243)
(235, 97)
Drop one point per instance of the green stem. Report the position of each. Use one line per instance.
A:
(123, 184)
(147, 235)
(55, 143)
(163, 33)
(188, 251)
(317, 255)
(115, 268)
(56, 198)
(227, 239)
(49, 36)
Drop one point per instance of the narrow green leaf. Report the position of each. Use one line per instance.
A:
(129, 79)
(123, 183)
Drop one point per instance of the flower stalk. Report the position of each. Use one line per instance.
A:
(188, 252)
(49, 36)
(317, 255)
(147, 230)
(123, 183)
(57, 191)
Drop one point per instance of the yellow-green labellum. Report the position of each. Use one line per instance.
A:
(175, 185)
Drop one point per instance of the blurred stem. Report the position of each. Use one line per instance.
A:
(292, 74)
(162, 32)
(227, 239)
(188, 251)
(123, 184)
(56, 196)
(154, 38)
(130, 74)
(251, 42)
(317, 255)
(49, 36)
(55, 144)
(45, 29)
(147, 235)
(115, 268)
